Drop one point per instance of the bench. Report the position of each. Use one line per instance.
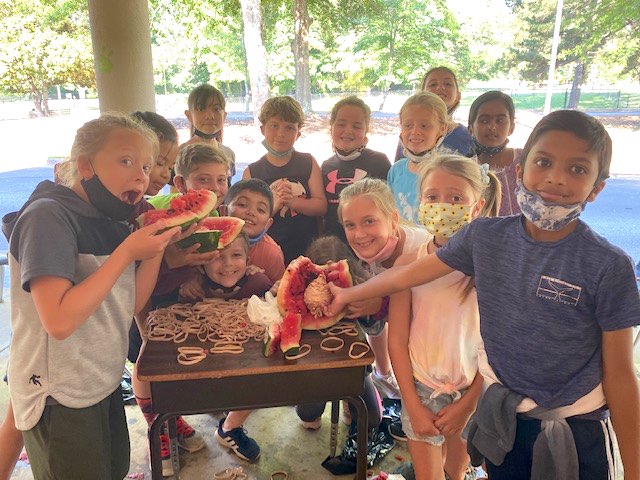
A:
(3, 261)
(59, 112)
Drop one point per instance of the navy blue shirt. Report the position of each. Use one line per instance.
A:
(544, 305)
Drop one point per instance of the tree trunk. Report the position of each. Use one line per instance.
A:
(301, 22)
(578, 77)
(256, 54)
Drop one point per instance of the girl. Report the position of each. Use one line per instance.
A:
(206, 115)
(372, 227)
(423, 123)
(442, 82)
(434, 329)
(491, 121)
(352, 161)
(73, 267)
(548, 380)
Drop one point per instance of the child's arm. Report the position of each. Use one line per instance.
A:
(63, 307)
(454, 417)
(399, 325)
(395, 279)
(316, 204)
(623, 398)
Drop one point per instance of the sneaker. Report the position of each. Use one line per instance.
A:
(395, 430)
(188, 438)
(165, 454)
(385, 384)
(313, 424)
(237, 440)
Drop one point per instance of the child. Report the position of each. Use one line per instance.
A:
(434, 329)
(294, 177)
(372, 226)
(322, 251)
(441, 81)
(491, 121)
(252, 201)
(206, 116)
(557, 306)
(226, 277)
(73, 274)
(352, 161)
(423, 123)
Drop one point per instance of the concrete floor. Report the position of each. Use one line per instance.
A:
(284, 443)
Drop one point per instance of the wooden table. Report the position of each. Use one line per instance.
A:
(250, 381)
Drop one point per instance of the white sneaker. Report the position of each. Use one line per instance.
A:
(313, 424)
(386, 385)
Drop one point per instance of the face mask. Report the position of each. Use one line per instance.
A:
(257, 238)
(105, 201)
(546, 216)
(479, 149)
(419, 157)
(208, 136)
(342, 155)
(444, 219)
(275, 153)
(383, 254)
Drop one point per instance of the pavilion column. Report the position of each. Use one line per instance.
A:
(122, 55)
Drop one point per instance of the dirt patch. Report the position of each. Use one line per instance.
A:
(631, 122)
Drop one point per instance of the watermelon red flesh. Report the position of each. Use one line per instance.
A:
(290, 333)
(300, 273)
(229, 226)
(184, 209)
(272, 340)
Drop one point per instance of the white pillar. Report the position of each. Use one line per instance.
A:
(122, 54)
(552, 60)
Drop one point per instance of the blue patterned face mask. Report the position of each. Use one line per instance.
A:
(544, 215)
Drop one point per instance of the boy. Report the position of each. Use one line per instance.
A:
(557, 306)
(252, 201)
(294, 177)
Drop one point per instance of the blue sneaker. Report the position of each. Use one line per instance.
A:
(238, 441)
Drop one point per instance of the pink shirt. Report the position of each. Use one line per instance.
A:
(267, 254)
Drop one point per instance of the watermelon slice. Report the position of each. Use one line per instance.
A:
(227, 229)
(300, 274)
(290, 333)
(183, 210)
(272, 340)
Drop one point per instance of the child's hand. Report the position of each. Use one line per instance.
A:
(452, 419)
(252, 270)
(187, 232)
(177, 257)
(338, 303)
(146, 243)
(422, 421)
(363, 308)
(192, 289)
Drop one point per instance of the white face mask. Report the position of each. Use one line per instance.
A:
(419, 157)
(444, 219)
(546, 216)
(349, 156)
(276, 153)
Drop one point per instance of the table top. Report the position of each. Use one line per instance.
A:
(158, 359)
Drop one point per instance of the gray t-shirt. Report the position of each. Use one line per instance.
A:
(544, 305)
(60, 235)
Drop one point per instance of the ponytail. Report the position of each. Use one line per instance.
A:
(492, 196)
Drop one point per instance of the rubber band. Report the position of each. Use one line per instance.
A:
(332, 349)
(236, 473)
(279, 475)
(300, 353)
(359, 355)
(227, 346)
(191, 355)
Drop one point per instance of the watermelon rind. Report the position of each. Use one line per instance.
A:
(290, 333)
(229, 226)
(272, 339)
(290, 277)
(208, 240)
(180, 213)
(183, 220)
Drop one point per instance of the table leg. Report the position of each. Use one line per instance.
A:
(363, 433)
(154, 445)
(173, 447)
(335, 414)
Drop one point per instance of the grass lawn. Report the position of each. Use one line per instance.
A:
(588, 100)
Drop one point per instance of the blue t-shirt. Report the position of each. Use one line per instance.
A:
(459, 140)
(544, 305)
(404, 185)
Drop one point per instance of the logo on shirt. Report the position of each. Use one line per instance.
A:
(35, 379)
(558, 290)
(334, 181)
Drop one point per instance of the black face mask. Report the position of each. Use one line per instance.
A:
(105, 201)
(208, 136)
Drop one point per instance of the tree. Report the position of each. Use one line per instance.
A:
(256, 54)
(302, 22)
(44, 44)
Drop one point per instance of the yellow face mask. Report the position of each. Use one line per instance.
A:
(444, 219)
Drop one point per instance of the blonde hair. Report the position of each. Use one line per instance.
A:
(484, 183)
(91, 137)
(373, 188)
(196, 154)
(287, 108)
(432, 103)
(354, 102)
